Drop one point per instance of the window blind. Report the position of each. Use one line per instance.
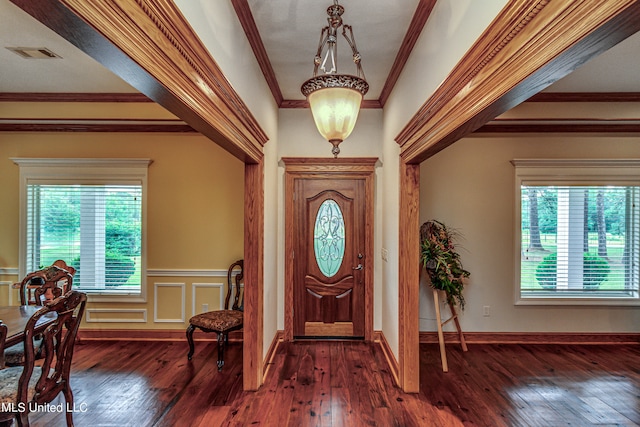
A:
(95, 228)
(580, 240)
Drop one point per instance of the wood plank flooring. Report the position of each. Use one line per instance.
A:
(348, 384)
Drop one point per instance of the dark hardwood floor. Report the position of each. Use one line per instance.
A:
(347, 384)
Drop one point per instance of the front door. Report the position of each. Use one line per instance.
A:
(329, 258)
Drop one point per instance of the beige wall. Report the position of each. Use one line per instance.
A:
(470, 186)
(194, 227)
(451, 29)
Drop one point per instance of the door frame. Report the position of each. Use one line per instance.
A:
(329, 168)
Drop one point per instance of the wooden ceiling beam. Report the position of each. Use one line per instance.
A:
(152, 47)
(529, 46)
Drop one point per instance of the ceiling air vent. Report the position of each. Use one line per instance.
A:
(34, 52)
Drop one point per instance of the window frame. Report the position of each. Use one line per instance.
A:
(86, 171)
(568, 172)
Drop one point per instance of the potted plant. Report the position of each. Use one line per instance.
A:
(442, 262)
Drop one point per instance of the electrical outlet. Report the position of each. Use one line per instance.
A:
(486, 311)
(205, 308)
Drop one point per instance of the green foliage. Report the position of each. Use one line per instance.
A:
(119, 269)
(595, 271)
(442, 262)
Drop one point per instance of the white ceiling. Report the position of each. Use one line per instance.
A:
(284, 27)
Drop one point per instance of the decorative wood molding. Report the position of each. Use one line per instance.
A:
(530, 44)
(72, 97)
(271, 353)
(423, 11)
(409, 278)
(415, 28)
(561, 126)
(328, 168)
(322, 165)
(534, 338)
(252, 354)
(151, 46)
(93, 125)
(394, 369)
(126, 320)
(585, 97)
(253, 35)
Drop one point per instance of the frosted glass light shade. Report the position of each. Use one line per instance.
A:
(335, 111)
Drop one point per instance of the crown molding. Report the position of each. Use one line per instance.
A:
(585, 97)
(92, 125)
(418, 21)
(530, 45)
(423, 11)
(255, 41)
(72, 97)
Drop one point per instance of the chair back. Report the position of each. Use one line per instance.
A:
(3, 337)
(238, 292)
(50, 282)
(58, 342)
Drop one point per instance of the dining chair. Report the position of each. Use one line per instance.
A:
(3, 337)
(56, 280)
(221, 321)
(31, 386)
(38, 286)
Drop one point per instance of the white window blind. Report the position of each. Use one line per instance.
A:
(579, 241)
(91, 213)
(95, 228)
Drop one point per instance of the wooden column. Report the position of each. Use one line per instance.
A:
(253, 275)
(409, 277)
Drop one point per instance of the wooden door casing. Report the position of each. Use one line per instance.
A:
(329, 306)
(362, 169)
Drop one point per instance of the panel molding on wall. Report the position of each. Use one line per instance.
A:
(194, 293)
(142, 311)
(156, 298)
(159, 272)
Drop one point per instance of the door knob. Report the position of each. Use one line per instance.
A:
(359, 267)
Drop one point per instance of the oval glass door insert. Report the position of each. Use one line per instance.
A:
(328, 237)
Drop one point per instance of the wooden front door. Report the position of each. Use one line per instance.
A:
(329, 257)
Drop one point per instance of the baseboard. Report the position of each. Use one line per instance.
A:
(268, 359)
(394, 368)
(149, 335)
(533, 338)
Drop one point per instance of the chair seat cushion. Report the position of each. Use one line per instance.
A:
(219, 321)
(9, 379)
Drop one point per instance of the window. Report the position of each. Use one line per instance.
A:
(578, 228)
(89, 213)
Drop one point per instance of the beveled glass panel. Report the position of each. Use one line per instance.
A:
(328, 238)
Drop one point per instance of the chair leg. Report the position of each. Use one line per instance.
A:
(68, 397)
(190, 330)
(222, 338)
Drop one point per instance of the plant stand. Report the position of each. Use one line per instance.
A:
(454, 317)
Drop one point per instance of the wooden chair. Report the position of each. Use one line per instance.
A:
(3, 338)
(35, 288)
(221, 321)
(31, 386)
(56, 280)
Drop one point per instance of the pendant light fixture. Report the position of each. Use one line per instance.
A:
(335, 98)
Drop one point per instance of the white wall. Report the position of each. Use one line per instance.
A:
(470, 186)
(452, 28)
(298, 137)
(217, 25)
